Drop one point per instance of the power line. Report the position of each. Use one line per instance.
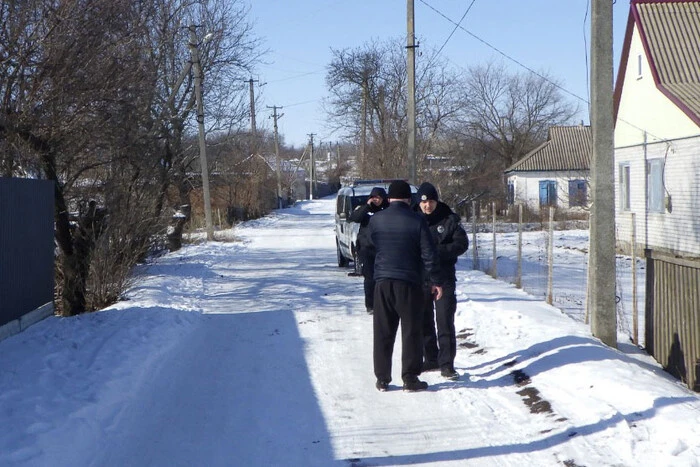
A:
(494, 48)
(435, 56)
(296, 76)
(453, 31)
(302, 103)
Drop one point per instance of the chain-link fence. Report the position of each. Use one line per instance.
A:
(550, 261)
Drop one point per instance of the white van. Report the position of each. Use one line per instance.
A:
(348, 199)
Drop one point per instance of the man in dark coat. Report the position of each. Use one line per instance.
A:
(451, 241)
(404, 249)
(376, 202)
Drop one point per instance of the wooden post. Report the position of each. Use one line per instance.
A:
(494, 265)
(475, 246)
(519, 273)
(550, 256)
(635, 312)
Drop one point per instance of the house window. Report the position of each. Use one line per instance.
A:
(548, 193)
(577, 193)
(624, 187)
(655, 185)
(639, 66)
(511, 193)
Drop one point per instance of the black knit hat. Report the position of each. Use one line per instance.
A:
(427, 191)
(399, 190)
(378, 191)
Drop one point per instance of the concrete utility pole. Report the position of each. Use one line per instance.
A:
(194, 53)
(312, 179)
(277, 154)
(363, 129)
(253, 129)
(411, 98)
(601, 267)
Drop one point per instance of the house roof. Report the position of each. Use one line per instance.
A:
(670, 34)
(567, 148)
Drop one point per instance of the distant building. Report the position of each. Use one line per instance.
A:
(556, 173)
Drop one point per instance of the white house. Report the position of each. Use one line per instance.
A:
(554, 174)
(657, 128)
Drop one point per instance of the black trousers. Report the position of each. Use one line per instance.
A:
(367, 257)
(398, 302)
(440, 347)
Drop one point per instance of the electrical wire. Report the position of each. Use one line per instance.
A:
(494, 48)
(434, 57)
(522, 65)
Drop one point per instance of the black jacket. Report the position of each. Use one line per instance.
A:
(449, 236)
(404, 246)
(362, 214)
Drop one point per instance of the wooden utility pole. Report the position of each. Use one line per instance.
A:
(411, 88)
(253, 129)
(277, 154)
(601, 270)
(312, 178)
(196, 66)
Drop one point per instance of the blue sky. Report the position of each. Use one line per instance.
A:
(544, 35)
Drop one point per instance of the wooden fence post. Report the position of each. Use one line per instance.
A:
(550, 256)
(635, 313)
(475, 246)
(494, 265)
(519, 273)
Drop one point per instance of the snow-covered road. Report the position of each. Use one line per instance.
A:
(258, 353)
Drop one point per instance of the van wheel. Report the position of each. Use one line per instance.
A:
(342, 261)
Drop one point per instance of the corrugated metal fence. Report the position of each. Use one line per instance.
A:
(673, 315)
(26, 247)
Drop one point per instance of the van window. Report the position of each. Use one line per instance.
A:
(339, 207)
(359, 201)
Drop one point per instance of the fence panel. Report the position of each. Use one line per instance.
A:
(26, 246)
(673, 315)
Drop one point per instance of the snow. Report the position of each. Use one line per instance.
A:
(257, 351)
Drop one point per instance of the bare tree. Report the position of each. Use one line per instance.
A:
(368, 85)
(228, 50)
(509, 114)
(87, 102)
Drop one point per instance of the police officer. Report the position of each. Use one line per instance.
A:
(451, 241)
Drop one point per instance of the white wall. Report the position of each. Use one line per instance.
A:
(644, 108)
(527, 188)
(671, 136)
(675, 231)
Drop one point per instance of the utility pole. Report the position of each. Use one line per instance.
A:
(253, 129)
(363, 129)
(194, 53)
(277, 154)
(411, 87)
(601, 265)
(313, 169)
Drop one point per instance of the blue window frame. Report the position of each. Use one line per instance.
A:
(548, 193)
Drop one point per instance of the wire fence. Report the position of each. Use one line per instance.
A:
(551, 261)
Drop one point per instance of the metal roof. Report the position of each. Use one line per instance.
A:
(670, 34)
(567, 148)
